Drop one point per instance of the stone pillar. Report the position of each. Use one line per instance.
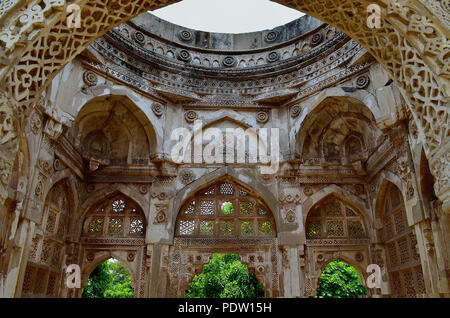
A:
(293, 277)
(158, 284)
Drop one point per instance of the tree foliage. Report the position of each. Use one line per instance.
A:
(110, 279)
(225, 277)
(340, 280)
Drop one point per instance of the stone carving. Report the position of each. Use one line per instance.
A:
(187, 176)
(190, 116)
(143, 189)
(359, 257)
(273, 57)
(185, 35)
(131, 256)
(295, 111)
(90, 257)
(271, 36)
(184, 55)
(308, 191)
(262, 117)
(139, 37)
(161, 216)
(229, 61)
(291, 217)
(316, 39)
(90, 78)
(158, 109)
(362, 81)
(36, 122)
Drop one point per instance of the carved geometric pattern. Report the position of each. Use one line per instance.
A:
(331, 218)
(222, 210)
(404, 266)
(116, 215)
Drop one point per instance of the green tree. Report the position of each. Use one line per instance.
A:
(340, 280)
(225, 277)
(110, 279)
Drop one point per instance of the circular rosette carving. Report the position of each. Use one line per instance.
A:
(143, 189)
(130, 257)
(262, 117)
(295, 111)
(139, 37)
(90, 257)
(316, 39)
(186, 176)
(90, 78)
(158, 109)
(229, 61)
(359, 257)
(273, 57)
(362, 81)
(320, 258)
(184, 55)
(185, 35)
(190, 116)
(290, 216)
(271, 36)
(308, 191)
(160, 218)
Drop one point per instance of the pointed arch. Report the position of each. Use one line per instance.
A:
(258, 191)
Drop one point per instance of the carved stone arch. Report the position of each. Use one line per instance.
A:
(96, 197)
(341, 194)
(222, 173)
(381, 188)
(312, 103)
(124, 98)
(360, 269)
(198, 269)
(101, 257)
(314, 125)
(148, 118)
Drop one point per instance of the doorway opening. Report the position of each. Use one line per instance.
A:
(340, 280)
(225, 277)
(110, 279)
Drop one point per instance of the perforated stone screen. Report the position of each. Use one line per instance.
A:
(225, 209)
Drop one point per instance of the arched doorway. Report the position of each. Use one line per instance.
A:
(403, 262)
(340, 280)
(225, 277)
(115, 228)
(224, 217)
(110, 279)
(334, 230)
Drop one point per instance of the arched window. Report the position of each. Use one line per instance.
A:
(45, 258)
(332, 218)
(404, 268)
(116, 216)
(225, 209)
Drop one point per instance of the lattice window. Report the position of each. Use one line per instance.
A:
(405, 270)
(136, 226)
(335, 229)
(115, 225)
(116, 216)
(206, 207)
(45, 258)
(333, 218)
(225, 209)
